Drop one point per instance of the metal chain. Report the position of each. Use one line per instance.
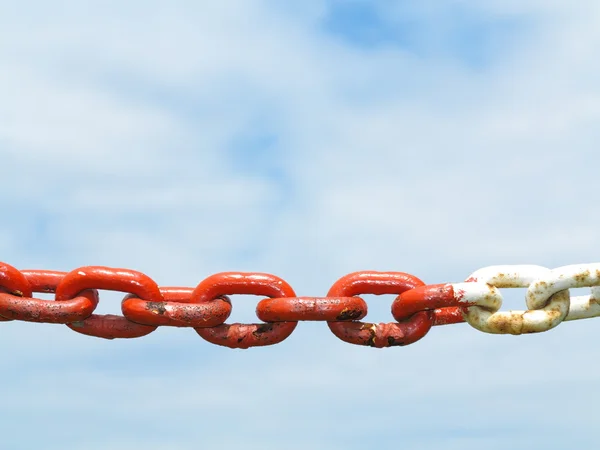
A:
(417, 307)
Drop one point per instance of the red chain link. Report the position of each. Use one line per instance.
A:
(176, 310)
(438, 298)
(38, 310)
(382, 334)
(96, 277)
(244, 335)
(416, 308)
(295, 309)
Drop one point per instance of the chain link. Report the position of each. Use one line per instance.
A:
(239, 335)
(205, 308)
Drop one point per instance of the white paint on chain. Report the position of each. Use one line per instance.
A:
(547, 297)
(545, 316)
(560, 279)
(584, 307)
(482, 294)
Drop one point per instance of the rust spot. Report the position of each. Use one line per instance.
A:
(156, 307)
(349, 314)
(393, 342)
(372, 329)
(581, 277)
(263, 328)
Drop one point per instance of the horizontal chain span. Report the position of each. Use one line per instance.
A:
(206, 307)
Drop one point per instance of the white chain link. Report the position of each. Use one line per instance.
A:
(585, 306)
(547, 297)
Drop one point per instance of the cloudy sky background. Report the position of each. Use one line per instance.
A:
(305, 139)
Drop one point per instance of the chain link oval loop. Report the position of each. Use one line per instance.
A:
(108, 326)
(47, 311)
(547, 310)
(177, 309)
(238, 335)
(294, 309)
(382, 334)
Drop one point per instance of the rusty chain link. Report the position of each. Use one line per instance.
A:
(416, 308)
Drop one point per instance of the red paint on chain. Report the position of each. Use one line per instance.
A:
(294, 309)
(47, 311)
(238, 335)
(416, 308)
(111, 279)
(177, 309)
(438, 298)
(379, 335)
(43, 281)
(448, 316)
(13, 282)
(110, 326)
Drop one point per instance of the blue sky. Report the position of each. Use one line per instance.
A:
(306, 140)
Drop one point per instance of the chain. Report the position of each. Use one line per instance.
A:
(205, 308)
